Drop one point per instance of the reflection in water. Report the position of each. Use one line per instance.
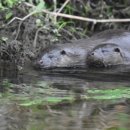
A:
(90, 115)
(80, 115)
(114, 74)
(13, 117)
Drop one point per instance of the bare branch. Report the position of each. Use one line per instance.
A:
(81, 18)
(35, 39)
(22, 19)
(55, 8)
(66, 2)
(64, 15)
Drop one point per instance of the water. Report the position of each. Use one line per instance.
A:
(90, 111)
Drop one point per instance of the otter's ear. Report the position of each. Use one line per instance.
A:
(117, 49)
(63, 52)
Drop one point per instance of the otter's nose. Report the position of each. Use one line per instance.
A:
(92, 54)
(40, 62)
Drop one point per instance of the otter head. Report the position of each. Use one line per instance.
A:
(61, 57)
(104, 55)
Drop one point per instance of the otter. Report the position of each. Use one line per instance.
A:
(63, 55)
(75, 54)
(107, 54)
(113, 50)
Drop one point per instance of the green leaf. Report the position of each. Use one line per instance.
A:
(1, 7)
(10, 3)
(40, 6)
(8, 15)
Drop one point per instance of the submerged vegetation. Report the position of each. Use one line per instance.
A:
(93, 94)
(117, 93)
(44, 94)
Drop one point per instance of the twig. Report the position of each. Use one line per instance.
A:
(35, 39)
(55, 8)
(22, 19)
(69, 16)
(18, 29)
(62, 7)
(81, 18)
(62, 15)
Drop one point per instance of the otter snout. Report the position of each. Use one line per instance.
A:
(38, 64)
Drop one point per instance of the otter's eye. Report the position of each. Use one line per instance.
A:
(104, 51)
(50, 56)
(117, 50)
(63, 52)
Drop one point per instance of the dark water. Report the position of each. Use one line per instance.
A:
(88, 114)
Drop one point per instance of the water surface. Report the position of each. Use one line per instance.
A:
(91, 109)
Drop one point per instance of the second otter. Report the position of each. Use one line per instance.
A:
(105, 55)
(113, 51)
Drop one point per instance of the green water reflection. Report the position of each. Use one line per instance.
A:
(64, 103)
